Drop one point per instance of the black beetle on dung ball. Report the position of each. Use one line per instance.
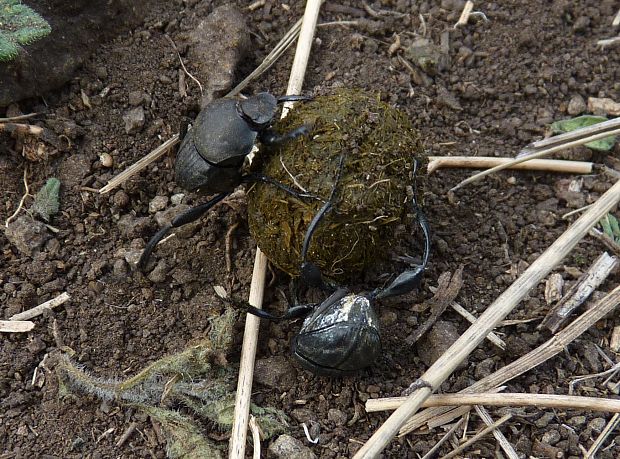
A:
(334, 192)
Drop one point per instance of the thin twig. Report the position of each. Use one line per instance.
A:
(579, 292)
(486, 162)
(130, 430)
(10, 119)
(499, 436)
(183, 65)
(553, 144)
(280, 48)
(478, 436)
(257, 286)
(496, 312)
(609, 428)
(448, 288)
(606, 240)
(255, 437)
(608, 41)
(21, 201)
(38, 310)
(141, 164)
(604, 405)
(532, 359)
(616, 21)
(464, 18)
(431, 452)
(575, 381)
(293, 178)
(471, 319)
(16, 326)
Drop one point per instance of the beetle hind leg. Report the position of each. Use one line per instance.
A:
(184, 218)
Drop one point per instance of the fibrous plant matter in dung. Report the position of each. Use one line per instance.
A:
(379, 146)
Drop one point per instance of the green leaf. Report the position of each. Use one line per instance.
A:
(572, 124)
(46, 200)
(19, 25)
(611, 227)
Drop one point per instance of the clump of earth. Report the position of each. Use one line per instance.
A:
(378, 149)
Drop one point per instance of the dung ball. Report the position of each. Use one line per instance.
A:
(379, 148)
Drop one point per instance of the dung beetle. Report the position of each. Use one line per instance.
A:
(341, 335)
(212, 153)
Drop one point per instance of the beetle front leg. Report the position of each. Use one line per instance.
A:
(271, 138)
(411, 278)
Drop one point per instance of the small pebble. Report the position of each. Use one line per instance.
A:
(577, 105)
(158, 203)
(287, 447)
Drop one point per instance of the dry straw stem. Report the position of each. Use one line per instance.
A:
(10, 119)
(38, 310)
(471, 318)
(431, 452)
(544, 352)
(255, 437)
(257, 286)
(608, 41)
(609, 428)
(579, 292)
(499, 436)
(553, 144)
(478, 436)
(616, 21)
(495, 313)
(16, 326)
(469, 5)
(486, 162)
(566, 402)
(141, 164)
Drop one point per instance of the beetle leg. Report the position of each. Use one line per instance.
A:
(294, 312)
(410, 279)
(310, 272)
(186, 217)
(270, 137)
(258, 177)
(293, 98)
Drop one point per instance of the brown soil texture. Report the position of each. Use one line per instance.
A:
(506, 79)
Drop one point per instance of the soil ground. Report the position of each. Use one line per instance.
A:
(508, 77)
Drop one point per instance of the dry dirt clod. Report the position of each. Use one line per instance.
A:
(134, 120)
(577, 105)
(26, 234)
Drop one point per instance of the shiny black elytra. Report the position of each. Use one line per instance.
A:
(341, 336)
(212, 153)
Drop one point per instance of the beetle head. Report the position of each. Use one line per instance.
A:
(258, 111)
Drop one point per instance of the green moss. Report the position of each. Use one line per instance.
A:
(379, 145)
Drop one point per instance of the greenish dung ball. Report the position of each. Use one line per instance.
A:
(379, 146)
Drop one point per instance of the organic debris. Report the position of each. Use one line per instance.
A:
(46, 200)
(20, 25)
(572, 124)
(379, 147)
(180, 390)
